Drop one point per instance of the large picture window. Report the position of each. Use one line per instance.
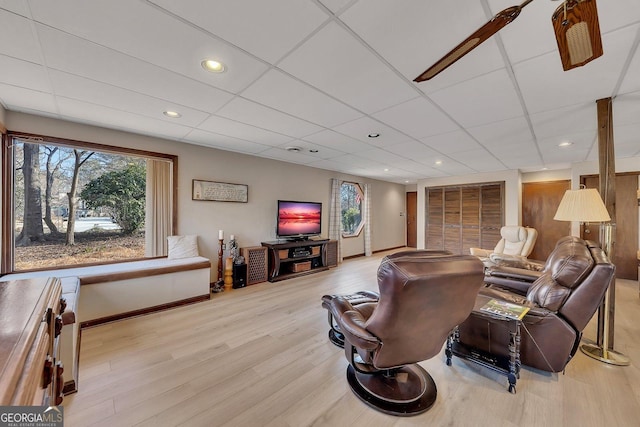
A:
(351, 198)
(71, 203)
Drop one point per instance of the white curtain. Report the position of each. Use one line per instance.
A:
(159, 207)
(335, 217)
(367, 219)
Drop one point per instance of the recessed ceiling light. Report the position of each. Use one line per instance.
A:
(373, 135)
(294, 149)
(565, 144)
(438, 162)
(213, 66)
(172, 114)
(386, 169)
(406, 181)
(313, 150)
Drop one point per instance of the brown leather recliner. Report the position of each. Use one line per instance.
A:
(422, 298)
(562, 300)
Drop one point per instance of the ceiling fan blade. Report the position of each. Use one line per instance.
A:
(577, 29)
(499, 21)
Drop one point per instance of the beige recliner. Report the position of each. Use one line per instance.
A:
(516, 244)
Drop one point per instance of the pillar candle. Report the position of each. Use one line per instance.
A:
(220, 234)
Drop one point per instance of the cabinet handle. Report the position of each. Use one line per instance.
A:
(58, 326)
(47, 373)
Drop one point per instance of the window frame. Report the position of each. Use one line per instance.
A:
(360, 227)
(7, 242)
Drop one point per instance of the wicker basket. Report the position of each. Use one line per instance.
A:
(283, 253)
(301, 266)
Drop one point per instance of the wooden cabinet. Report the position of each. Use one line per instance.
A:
(296, 258)
(30, 326)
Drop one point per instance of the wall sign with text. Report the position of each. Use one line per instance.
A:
(219, 191)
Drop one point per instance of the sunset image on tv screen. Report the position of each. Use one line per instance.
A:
(299, 218)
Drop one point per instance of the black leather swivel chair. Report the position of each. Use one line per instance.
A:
(422, 298)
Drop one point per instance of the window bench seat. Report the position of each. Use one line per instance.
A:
(117, 291)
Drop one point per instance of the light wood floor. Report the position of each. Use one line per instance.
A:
(259, 356)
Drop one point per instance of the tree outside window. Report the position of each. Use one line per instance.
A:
(351, 197)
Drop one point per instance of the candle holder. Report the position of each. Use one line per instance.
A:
(219, 285)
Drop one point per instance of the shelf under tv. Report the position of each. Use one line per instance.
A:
(310, 257)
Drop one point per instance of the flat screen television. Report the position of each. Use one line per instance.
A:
(298, 220)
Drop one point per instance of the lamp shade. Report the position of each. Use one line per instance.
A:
(584, 205)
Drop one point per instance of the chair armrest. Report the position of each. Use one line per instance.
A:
(480, 252)
(352, 326)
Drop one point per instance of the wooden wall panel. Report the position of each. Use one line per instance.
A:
(435, 219)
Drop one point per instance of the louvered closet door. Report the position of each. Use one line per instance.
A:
(461, 217)
(435, 219)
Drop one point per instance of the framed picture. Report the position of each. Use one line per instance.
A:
(219, 191)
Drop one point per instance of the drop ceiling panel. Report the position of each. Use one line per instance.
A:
(224, 142)
(79, 88)
(531, 33)
(360, 162)
(24, 74)
(503, 133)
(417, 118)
(616, 14)
(19, 7)
(452, 142)
(480, 160)
(159, 38)
(284, 93)
(97, 115)
(382, 156)
(337, 141)
(308, 148)
(485, 99)
(17, 38)
(278, 153)
(239, 130)
(414, 36)
(339, 65)
(361, 129)
(515, 155)
(557, 122)
(576, 86)
(289, 22)
(626, 109)
(80, 57)
(417, 151)
(335, 5)
(631, 83)
(452, 168)
(246, 111)
(21, 99)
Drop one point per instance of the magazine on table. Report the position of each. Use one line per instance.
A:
(505, 309)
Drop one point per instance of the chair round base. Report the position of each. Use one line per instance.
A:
(336, 338)
(411, 391)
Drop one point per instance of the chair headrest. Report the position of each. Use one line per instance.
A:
(513, 233)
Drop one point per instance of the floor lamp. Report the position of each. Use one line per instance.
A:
(586, 205)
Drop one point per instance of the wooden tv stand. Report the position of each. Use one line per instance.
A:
(289, 259)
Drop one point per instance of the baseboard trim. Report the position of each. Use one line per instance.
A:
(143, 311)
(69, 387)
(375, 252)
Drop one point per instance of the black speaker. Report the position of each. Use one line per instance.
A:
(239, 275)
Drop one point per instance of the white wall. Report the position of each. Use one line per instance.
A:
(268, 181)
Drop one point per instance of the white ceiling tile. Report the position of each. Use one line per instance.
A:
(160, 39)
(360, 162)
(223, 142)
(347, 70)
(418, 118)
(485, 99)
(337, 141)
(79, 88)
(246, 111)
(239, 130)
(16, 6)
(502, 133)
(84, 112)
(480, 160)
(288, 156)
(17, 38)
(576, 86)
(313, 150)
(413, 37)
(452, 167)
(452, 142)
(361, 129)
(517, 154)
(21, 99)
(382, 156)
(24, 74)
(284, 93)
(335, 5)
(76, 56)
(417, 151)
(289, 22)
(631, 82)
(615, 14)
(627, 140)
(559, 122)
(626, 109)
